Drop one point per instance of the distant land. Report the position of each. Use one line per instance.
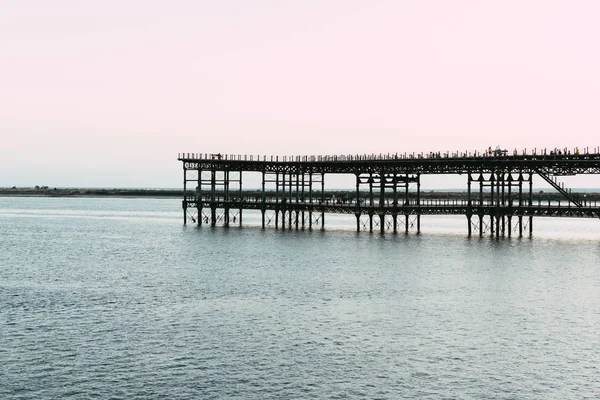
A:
(89, 192)
(44, 191)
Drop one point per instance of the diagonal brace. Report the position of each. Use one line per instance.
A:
(547, 178)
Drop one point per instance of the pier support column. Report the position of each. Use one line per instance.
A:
(520, 225)
(240, 195)
(226, 198)
(395, 204)
(294, 212)
(322, 200)
(530, 226)
(283, 210)
(213, 215)
(263, 206)
(497, 226)
(277, 203)
(418, 203)
(283, 216)
(290, 208)
(406, 204)
(283, 205)
(213, 205)
(371, 202)
(382, 210)
(521, 204)
(184, 203)
(469, 225)
(530, 203)
(469, 205)
(481, 180)
(310, 199)
(357, 212)
(198, 196)
(493, 227)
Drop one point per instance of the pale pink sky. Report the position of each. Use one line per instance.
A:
(106, 93)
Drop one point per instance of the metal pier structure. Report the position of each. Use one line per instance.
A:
(388, 193)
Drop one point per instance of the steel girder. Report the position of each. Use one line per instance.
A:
(412, 209)
(522, 164)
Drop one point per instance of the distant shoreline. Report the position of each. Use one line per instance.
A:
(178, 193)
(74, 192)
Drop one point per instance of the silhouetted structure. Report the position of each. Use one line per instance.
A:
(388, 189)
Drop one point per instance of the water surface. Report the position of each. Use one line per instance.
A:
(115, 298)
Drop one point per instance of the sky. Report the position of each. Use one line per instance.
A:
(107, 93)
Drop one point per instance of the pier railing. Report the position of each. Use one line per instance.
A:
(524, 154)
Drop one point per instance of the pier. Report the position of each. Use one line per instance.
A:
(388, 195)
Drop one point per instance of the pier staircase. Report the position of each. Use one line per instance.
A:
(559, 186)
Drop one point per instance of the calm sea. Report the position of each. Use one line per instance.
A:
(116, 299)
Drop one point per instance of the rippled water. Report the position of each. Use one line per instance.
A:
(115, 298)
